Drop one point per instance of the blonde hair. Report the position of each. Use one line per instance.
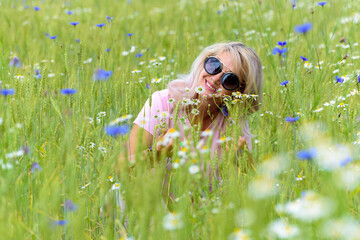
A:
(247, 67)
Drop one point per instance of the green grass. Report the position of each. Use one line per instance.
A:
(58, 133)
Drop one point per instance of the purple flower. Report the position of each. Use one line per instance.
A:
(304, 28)
(293, 4)
(70, 206)
(15, 62)
(115, 131)
(321, 3)
(129, 34)
(307, 154)
(74, 23)
(282, 43)
(77, 40)
(339, 79)
(61, 222)
(100, 25)
(101, 75)
(69, 12)
(147, 86)
(36, 8)
(279, 51)
(109, 18)
(284, 83)
(218, 12)
(225, 110)
(47, 35)
(35, 167)
(292, 119)
(304, 59)
(138, 55)
(53, 37)
(6, 92)
(108, 50)
(37, 74)
(68, 91)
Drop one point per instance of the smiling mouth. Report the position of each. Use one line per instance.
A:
(210, 86)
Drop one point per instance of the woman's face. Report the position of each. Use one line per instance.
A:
(212, 83)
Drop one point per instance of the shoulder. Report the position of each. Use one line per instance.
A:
(160, 98)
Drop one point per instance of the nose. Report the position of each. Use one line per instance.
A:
(217, 78)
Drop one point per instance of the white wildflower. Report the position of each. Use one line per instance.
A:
(283, 230)
(193, 169)
(172, 221)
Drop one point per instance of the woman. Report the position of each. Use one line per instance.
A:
(220, 70)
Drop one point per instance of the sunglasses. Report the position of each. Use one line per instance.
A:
(229, 80)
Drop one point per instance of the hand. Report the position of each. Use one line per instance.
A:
(240, 144)
(164, 144)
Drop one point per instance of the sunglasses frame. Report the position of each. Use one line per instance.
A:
(223, 78)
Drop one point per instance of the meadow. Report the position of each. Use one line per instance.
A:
(72, 69)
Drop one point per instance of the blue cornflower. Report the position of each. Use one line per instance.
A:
(321, 3)
(53, 37)
(138, 55)
(6, 92)
(37, 74)
(109, 18)
(15, 62)
(339, 79)
(69, 12)
(100, 25)
(304, 28)
(307, 154)
(35, 167)
(47, 35)
(70, 206)
(279, 51)
(108, 50)
(225, 110)
(115, 131)
(147, 86)
(282, 43)
(36, 8)
(129, 34)
(358, 78)
(61, 222)
(345, 161)
(101, 75)
(77, 40)
(218, 12)
(292, 119)
(68, 91)
(304, 59)
(293, 4)
(284, 83)
(74, 23)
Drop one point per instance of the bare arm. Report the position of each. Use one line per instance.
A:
(140, 136)
(137, 136)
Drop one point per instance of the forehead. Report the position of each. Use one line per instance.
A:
(230, 61)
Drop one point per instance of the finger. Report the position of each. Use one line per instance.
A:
(241, 142)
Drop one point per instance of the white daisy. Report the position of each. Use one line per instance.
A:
(156, 80)
(170, 100)
(193, 169)
(199, 90)
(318, 109)
(195, 112)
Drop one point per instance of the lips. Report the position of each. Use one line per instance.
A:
(210, 86)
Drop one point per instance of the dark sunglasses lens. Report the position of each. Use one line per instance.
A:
(230, 81)
(212, 66)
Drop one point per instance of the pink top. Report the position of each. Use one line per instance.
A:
(160, 112)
